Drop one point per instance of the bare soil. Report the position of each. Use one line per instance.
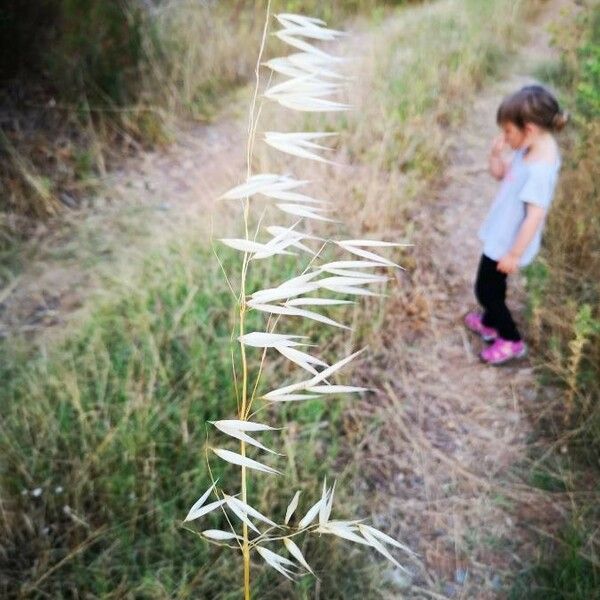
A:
(138, 207)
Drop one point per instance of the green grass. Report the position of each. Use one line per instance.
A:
(564, 573)
(115, 417)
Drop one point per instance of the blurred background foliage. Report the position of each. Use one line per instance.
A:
(84, 81)
(564, 285)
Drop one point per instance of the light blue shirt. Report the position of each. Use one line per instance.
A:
(525, 182)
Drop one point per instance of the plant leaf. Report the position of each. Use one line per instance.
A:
(323, 507)
(342, 529)
(285, 67)
(327, 509)
(199, 512)
(302, 45)
(252, 186)
(309, 103)
(292, 506)
(249, 510)
(373, 243)
(312, 31)
(355, 274)
(309, 517)
(200, 502)
(295, 281)
(316, 302)
(301, 211)
(386, 538)
(337, 280)
(350, 264)
(291, 397)
(351, 290)
(296, 143)
(243, 245)
(285, 390)
(296, 312)
(307, 83)
(333, 368)
(240, 514)
(368, 255)
(220, 535)
(260, 339)
(295, 150)
(243, 425)
(310, 63)
(276, 561)
(282, 292)
(243, 461)
(240, 435)
(296, 197)
(276, 229)
(302, 385)
(335, 389)
(302, 359)
(375, 543)
(293, 549)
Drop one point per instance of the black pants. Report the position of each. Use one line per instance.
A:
(490, 289)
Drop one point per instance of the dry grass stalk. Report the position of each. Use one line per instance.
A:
(313, 80)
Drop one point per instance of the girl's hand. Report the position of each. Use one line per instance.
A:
(508, 264)
(498, 146)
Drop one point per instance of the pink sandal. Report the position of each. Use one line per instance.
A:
(502, 351)
(474, 322)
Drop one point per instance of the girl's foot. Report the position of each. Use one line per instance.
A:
(474, 322)
(503, 350)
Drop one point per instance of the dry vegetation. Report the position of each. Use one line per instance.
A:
(564, 318)
(105, 80)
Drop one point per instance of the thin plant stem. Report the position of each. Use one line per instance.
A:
(243, 411)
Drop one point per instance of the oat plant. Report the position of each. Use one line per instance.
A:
(312, 83)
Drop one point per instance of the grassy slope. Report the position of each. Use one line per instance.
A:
(110, 424)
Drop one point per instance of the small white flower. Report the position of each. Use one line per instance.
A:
(37, 492)
(58, 489)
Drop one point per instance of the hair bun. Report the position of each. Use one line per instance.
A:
(560, 119)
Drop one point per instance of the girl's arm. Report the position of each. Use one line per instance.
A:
(497, 165)
(533, 219)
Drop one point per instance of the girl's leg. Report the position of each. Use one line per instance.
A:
(490, 289)
(485, 288)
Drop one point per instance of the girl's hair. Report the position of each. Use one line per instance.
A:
(532, 104)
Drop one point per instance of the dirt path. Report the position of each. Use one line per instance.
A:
(450, 456)
(146, 202)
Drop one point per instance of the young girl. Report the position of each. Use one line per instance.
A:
(512, 230)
